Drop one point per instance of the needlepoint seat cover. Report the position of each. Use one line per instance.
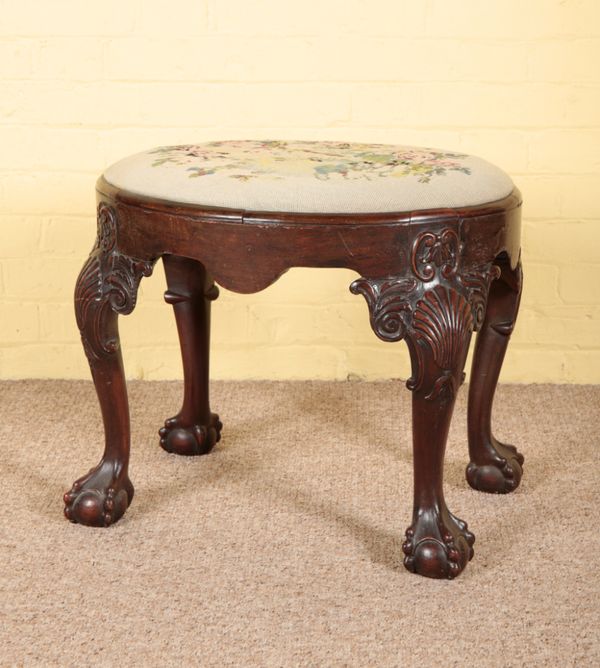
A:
(311, 177)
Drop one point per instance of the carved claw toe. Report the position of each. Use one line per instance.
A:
(438, 549)
(190, 440)
(516, 454)
(98, 499)
(499, 471)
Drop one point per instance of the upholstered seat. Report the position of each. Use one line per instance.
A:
(311, 177)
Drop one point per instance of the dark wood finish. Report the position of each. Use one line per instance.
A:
(435, 307)
(194, 430)
(425, 275)
(494, 466)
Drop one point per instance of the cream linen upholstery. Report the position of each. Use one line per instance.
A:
(315, 177)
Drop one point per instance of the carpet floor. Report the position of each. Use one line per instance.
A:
(283, 546)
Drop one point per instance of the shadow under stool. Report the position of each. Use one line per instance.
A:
(434, 236)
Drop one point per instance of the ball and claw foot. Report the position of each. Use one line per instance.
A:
(438, 547)
(100, 498)
(190, 440)
(499, 472)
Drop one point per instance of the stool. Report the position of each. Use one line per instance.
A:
(434, 236)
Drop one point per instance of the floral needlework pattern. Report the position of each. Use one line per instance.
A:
(246, 160)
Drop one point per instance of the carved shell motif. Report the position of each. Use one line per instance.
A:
(443, 320)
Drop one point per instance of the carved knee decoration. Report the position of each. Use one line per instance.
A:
(107, 282)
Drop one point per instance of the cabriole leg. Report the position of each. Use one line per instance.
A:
(437, 322)
(107, 286)
(494, 466)
(194, 430)
(438, 544)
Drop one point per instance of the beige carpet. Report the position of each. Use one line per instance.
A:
(282, 547)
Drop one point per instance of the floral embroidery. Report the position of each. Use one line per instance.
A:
(245, 160)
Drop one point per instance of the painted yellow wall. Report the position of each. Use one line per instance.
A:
(85, 83)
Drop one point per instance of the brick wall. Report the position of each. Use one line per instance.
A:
(83, 84)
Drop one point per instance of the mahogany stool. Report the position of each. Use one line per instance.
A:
(434, 236)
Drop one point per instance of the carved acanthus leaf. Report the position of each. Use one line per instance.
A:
(476, 283)
(108, 279)
(389, 304)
